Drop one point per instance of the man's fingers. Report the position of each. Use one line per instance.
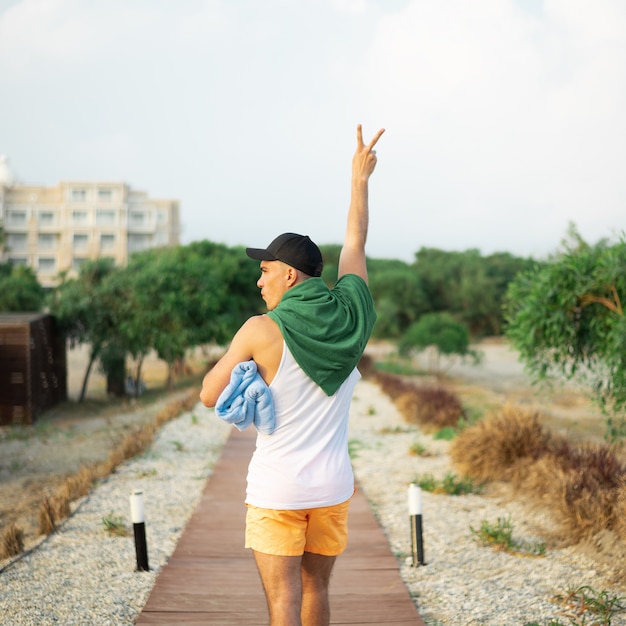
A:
(359, 136)
(376, 138)
(359, 139)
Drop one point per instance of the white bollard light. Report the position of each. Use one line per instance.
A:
(415, 515)
(138, 517)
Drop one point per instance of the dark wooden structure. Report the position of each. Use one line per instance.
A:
(212, 579)
(33, 368)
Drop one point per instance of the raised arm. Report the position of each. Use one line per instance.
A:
(352, 258)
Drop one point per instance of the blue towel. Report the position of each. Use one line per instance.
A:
(247, 400)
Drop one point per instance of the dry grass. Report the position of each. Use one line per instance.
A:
(620, 510)
(61, 503)
(78, 485)
(584, 485)
(12, 542)
(493, 448)
(54, 509)
(47, 521)
(586, 496)
(431, 407)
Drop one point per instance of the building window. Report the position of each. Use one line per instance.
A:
(138, 242)
(78, 195)
(17, 218)
(77, 261)
(79, 217)
(47, 264)
(46, 218)
(105, 217)
(47, 241)
(137, 218)
(105, 195)
(80, 241)
(160, 239)
(107, 241)
(17, 241)
(162, 216)
(18, 261)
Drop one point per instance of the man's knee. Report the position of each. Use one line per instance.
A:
(317, 569)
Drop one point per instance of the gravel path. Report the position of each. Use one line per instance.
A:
(463, 582)
(84, 576)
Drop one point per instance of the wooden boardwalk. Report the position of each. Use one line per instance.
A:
(212, 579)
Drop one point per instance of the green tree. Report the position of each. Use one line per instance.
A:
(186, 296)
(449, 337)
(566, 319)
(166, 299)
(87, 311)
(468, 285)
(20, 290)
(398, 294)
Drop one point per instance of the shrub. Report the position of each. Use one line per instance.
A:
(584, 485)
(428, 406)
(450, 485)
(499, 536)
(440, 330)
(392, 385)
(434, 407)
(501, 445)
(114, 525)
(587, 494)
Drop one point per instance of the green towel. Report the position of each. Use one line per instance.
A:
(326, 330)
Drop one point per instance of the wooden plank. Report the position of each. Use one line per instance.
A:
(212, 579)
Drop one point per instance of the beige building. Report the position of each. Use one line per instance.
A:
(54, 229)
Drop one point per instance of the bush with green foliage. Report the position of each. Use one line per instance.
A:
(20, 290)
(566, 319)
(441, 331)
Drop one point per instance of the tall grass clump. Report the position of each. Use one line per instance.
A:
(500, 446)
(430, 407)
(584, 485)
(12, 542)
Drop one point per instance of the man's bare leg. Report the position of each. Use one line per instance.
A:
(316, 571)
(296, 588)
(282, 582)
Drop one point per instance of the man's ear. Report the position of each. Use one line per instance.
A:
(292, 276)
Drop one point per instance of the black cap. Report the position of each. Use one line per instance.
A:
(295, 250)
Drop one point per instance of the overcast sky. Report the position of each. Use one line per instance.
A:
(505, 119)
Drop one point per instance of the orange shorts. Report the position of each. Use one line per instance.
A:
(321, 530)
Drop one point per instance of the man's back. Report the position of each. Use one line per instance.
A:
(304, 463)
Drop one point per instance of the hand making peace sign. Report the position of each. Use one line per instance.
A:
(364, 160)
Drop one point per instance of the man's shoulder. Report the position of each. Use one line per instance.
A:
(352, 286)
(351, 280)
(264, 340)
(260, 328)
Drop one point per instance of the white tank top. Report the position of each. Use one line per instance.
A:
(304, 463)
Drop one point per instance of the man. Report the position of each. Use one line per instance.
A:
(306, 349)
